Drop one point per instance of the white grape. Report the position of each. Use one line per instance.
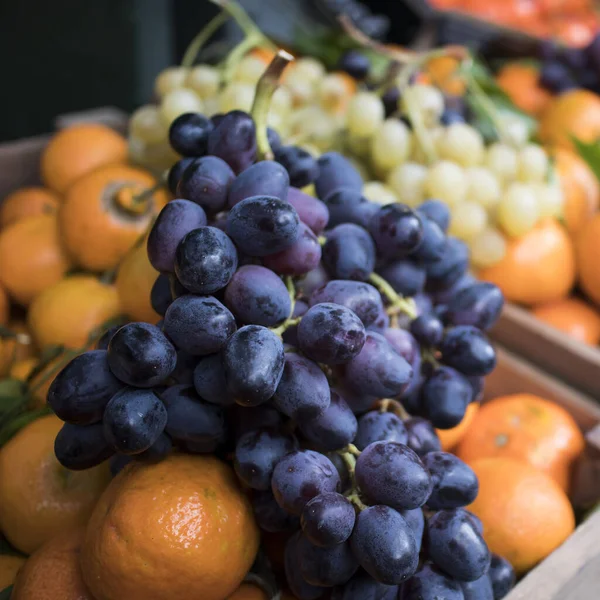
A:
(312, 124)
(518, 211)
(550, 199)
(211, 106)
(462, 144)
(365, 114)
(307, 68)
(375, 191)
(301, 90)
(483, 187)
(205, 80)
(136, 150)
(446, 181)
(503, 161)
(533, 163)
(408, 181)
(281, 102)
(236, 96)
(170, 79)
(147, 125)
(358, 146)
(514, 130)
(468, 220)
(333, 92)
(177, 102)
(488, 248)
(249, 70)
(390, 145)
(428, 100)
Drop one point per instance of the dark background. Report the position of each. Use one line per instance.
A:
(60, 56)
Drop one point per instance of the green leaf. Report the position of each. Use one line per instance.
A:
(6, 593)
(590, 153)
(11, 387)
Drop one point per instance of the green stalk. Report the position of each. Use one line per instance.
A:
(189, 58)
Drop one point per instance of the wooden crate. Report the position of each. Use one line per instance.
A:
(576, 363)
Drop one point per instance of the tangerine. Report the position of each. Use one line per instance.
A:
(181, 528)
(78, 150)
(31, 257)
(27, 202)
(525, 513)
(587, 244)
(444, 73)
(528, 428)
(39, 498)
(449, 438)
(21, 369)
(9, 567)
(538, 267)
(574, 317)
(521, 83)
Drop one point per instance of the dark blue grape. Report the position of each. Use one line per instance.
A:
(80, 447)
(397, 230)
(210, 382)
(118, 462)
(334, 428)
(234, 140)
(392, 474)
(206, 181)
(206, 260)
(480, 589)
(346, 205)
(427, 329)
(349, 253)
(376, 426)
(303, 391)
(253, 361)
(468, 350)
(377, 369)
(312, 280)
(381, 323)
(298, 585)
(407, 347)
(477, 385)
(139, 354)
(433, 243)
(328, 519)
(450, 268)
(358, 402)
(436, 211)
(355, 63)
(312, 212)
(456, 546)
(331, 334)
(405, 276)
(325, 566)
(302, 256)
(81, 391)
(184, 370)
(300, 476)
(189, 419)
(103, 342)
(363, 587)
(264, 178)
(263, 225)
(174, 221)
(416, 521)
(479, 305)
(188, 134)
(161, 448)
(556, 77)
(429, 583)
(384, 545)
(269, 515)
(449, 117)
(342, 468)
(300, 164)
(274, 139)
(391, 99)
(160, 294)
(199, 325)
(256, 295)
(446, 295)
(422, 437)
(445, 396)
(290, 335)
(246, 419)
(361, 298)
(177, 288)
(176, 172)
(336, 171)
(257, 453)
(133, 420)
(454, 482)
(502, 576)
(375, 26)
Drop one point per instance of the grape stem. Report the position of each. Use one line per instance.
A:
(265, 89)
(322, 240)
(286, 325)
(393, 406)
(355, 499)
(243, 20)
(201, 38)
(397, 302)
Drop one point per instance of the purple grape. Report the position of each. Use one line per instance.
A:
(446, 295)
(479, 305)
(502, 576)
(431, 583)
(256, 295)
(348, 205)
(364, 587)
(302, 256)
(449, 117)
(433, 243)
(263, 225)
(300, 476)
(328, 519)
(331, 334)
(454, 482)
(210, 382)
(184, 369)
(355, 63)
(265, 178)
(298, 585)
(427, 329)
(349, 253)
(397, 230)
(290, 335)
(312, 280)
(312, 211)
(174, 221)
(381, 323)
(480, 589)
(299, 163)
(175, 173)
(445, 396)
(391, 99)
(161, 448)
(160, 294)
(269, 515)
(384, 545)
(416, 521)
(325, 566)
(246, 419)
(422, 437)
(556, 77)
(376, 426)
(450, 268)
(188, 134)
(336, 171)
(80, 447)
(392, 474)
(234, 140)
(468, 350)
(405, 276)
(274, 139)
(437, 212)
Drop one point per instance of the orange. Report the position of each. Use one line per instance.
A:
(249, 591)
(575, 113)
(528, 428)
(444, 73)
(22, 368)
(525, 513)
(39, 498)
(521, 83)
(27, 202)
(78, 150)
(181, 528)
(31, 257)
(53, 571)
(9, 567)
(135, 279)
(4, 307)
(99, 223)
(537, 267)
(69, 311)
(573, 316)
(587, 243)
(580, 187)
(451, 437)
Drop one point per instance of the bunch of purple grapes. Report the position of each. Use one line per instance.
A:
(288, 341)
